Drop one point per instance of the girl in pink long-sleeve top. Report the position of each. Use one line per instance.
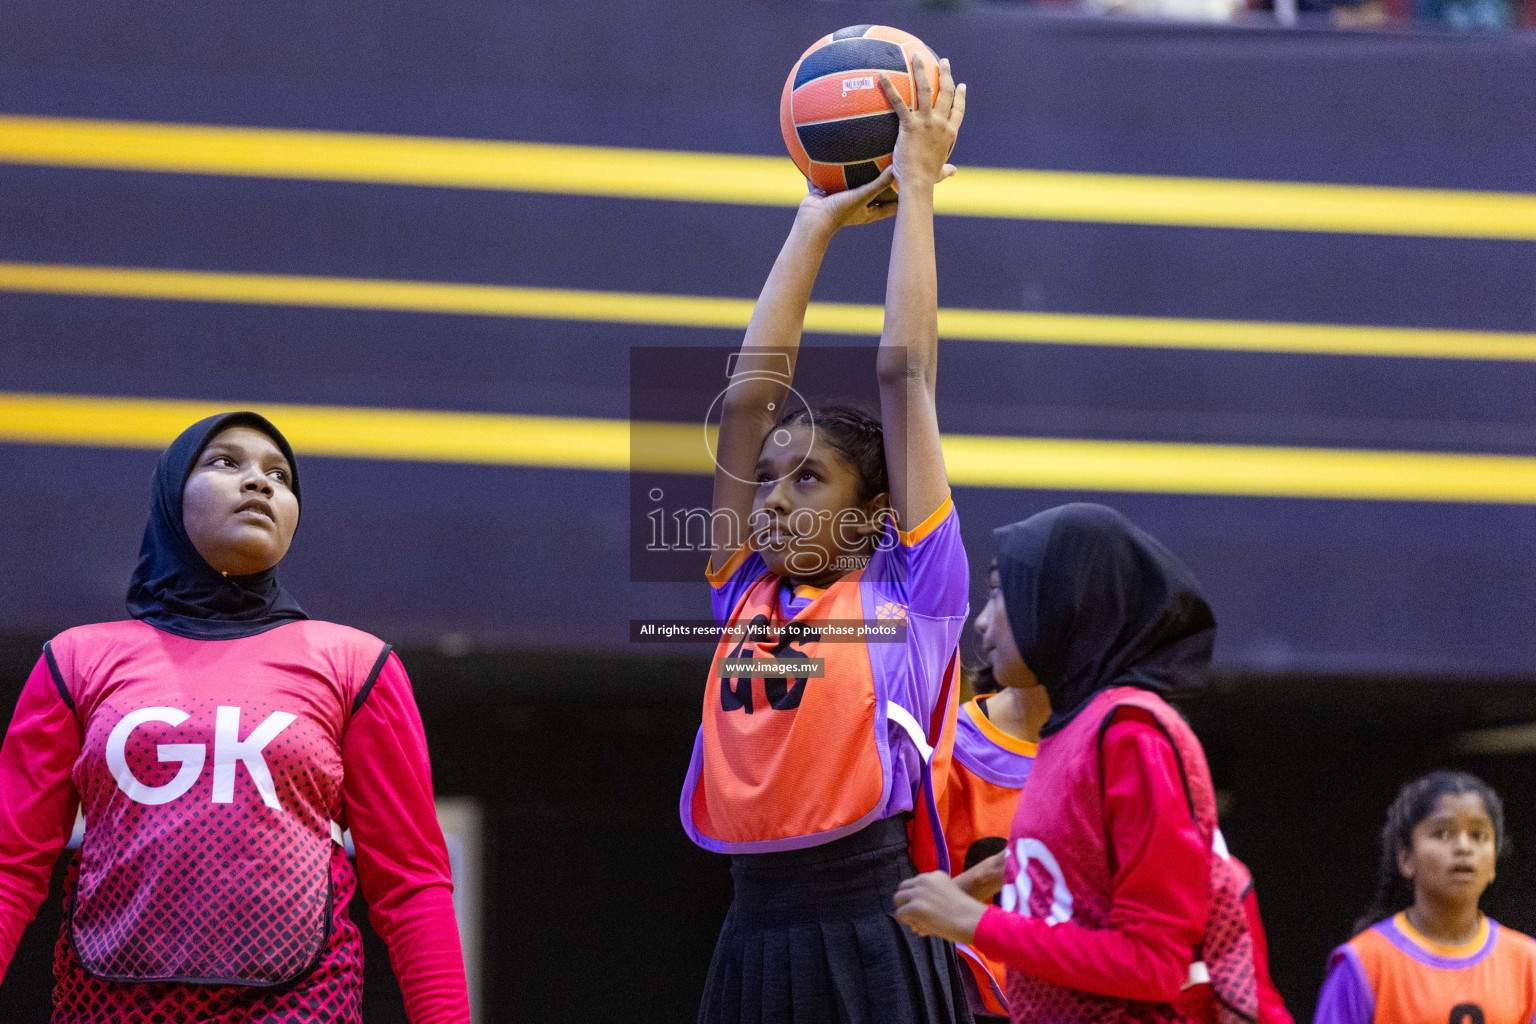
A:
(1120, 904)
(218, 743)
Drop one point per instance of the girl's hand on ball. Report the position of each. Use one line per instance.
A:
(855, 206)
(928, 128)
(932, 904)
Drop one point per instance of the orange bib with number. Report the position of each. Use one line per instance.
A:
(796, 756)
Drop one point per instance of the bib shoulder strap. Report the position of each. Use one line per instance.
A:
(58, 677)
(926, 739)
(904, 718)
(373, 677)
(1202, 806)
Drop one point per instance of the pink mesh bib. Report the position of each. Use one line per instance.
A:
(1058, 868)
(210, 781)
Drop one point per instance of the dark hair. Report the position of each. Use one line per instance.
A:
(855, 435)
(1415, 802)
(980, 679)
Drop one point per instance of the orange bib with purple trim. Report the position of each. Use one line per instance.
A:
(1490, 980)
(791, 761)
(977, 805)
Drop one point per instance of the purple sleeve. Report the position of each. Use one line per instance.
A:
(926, 566)
(743, 569)
(37, 801)
(1346, 997)
(919, 575)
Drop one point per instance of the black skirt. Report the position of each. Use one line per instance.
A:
(810, 939)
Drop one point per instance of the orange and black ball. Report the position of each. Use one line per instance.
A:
(838, 126)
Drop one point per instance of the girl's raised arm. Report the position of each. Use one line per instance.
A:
(765, 366)
(909, 345)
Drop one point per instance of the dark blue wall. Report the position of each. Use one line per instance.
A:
(539, 557)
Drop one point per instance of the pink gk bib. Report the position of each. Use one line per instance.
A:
(210, 781)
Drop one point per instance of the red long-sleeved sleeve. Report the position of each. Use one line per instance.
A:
(402, 862)
(1271, 1007)
(1161, 887)
(37, 802)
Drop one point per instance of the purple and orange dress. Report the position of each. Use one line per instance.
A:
(218, 745)
(977, 805)
(1390, 972)
(820, 783)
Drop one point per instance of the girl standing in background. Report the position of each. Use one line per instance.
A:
(1425, 952)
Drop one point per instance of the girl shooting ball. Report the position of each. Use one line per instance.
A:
(1425, 951)
(808, 776)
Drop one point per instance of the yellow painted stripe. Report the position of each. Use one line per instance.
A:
(370, 293)
(567, 442)
(975, 461)
(1251, 470)
(400, 160)
(753, 180)
(709, 311)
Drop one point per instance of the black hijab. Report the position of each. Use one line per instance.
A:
(1095, 602)
(173, 588)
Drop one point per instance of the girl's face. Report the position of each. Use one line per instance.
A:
(807, 520)
(1453, 851)
(237, 506)
(998, 647)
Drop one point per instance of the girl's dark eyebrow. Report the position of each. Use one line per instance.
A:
(1451, 819)
(812, 464)
(235, 450)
